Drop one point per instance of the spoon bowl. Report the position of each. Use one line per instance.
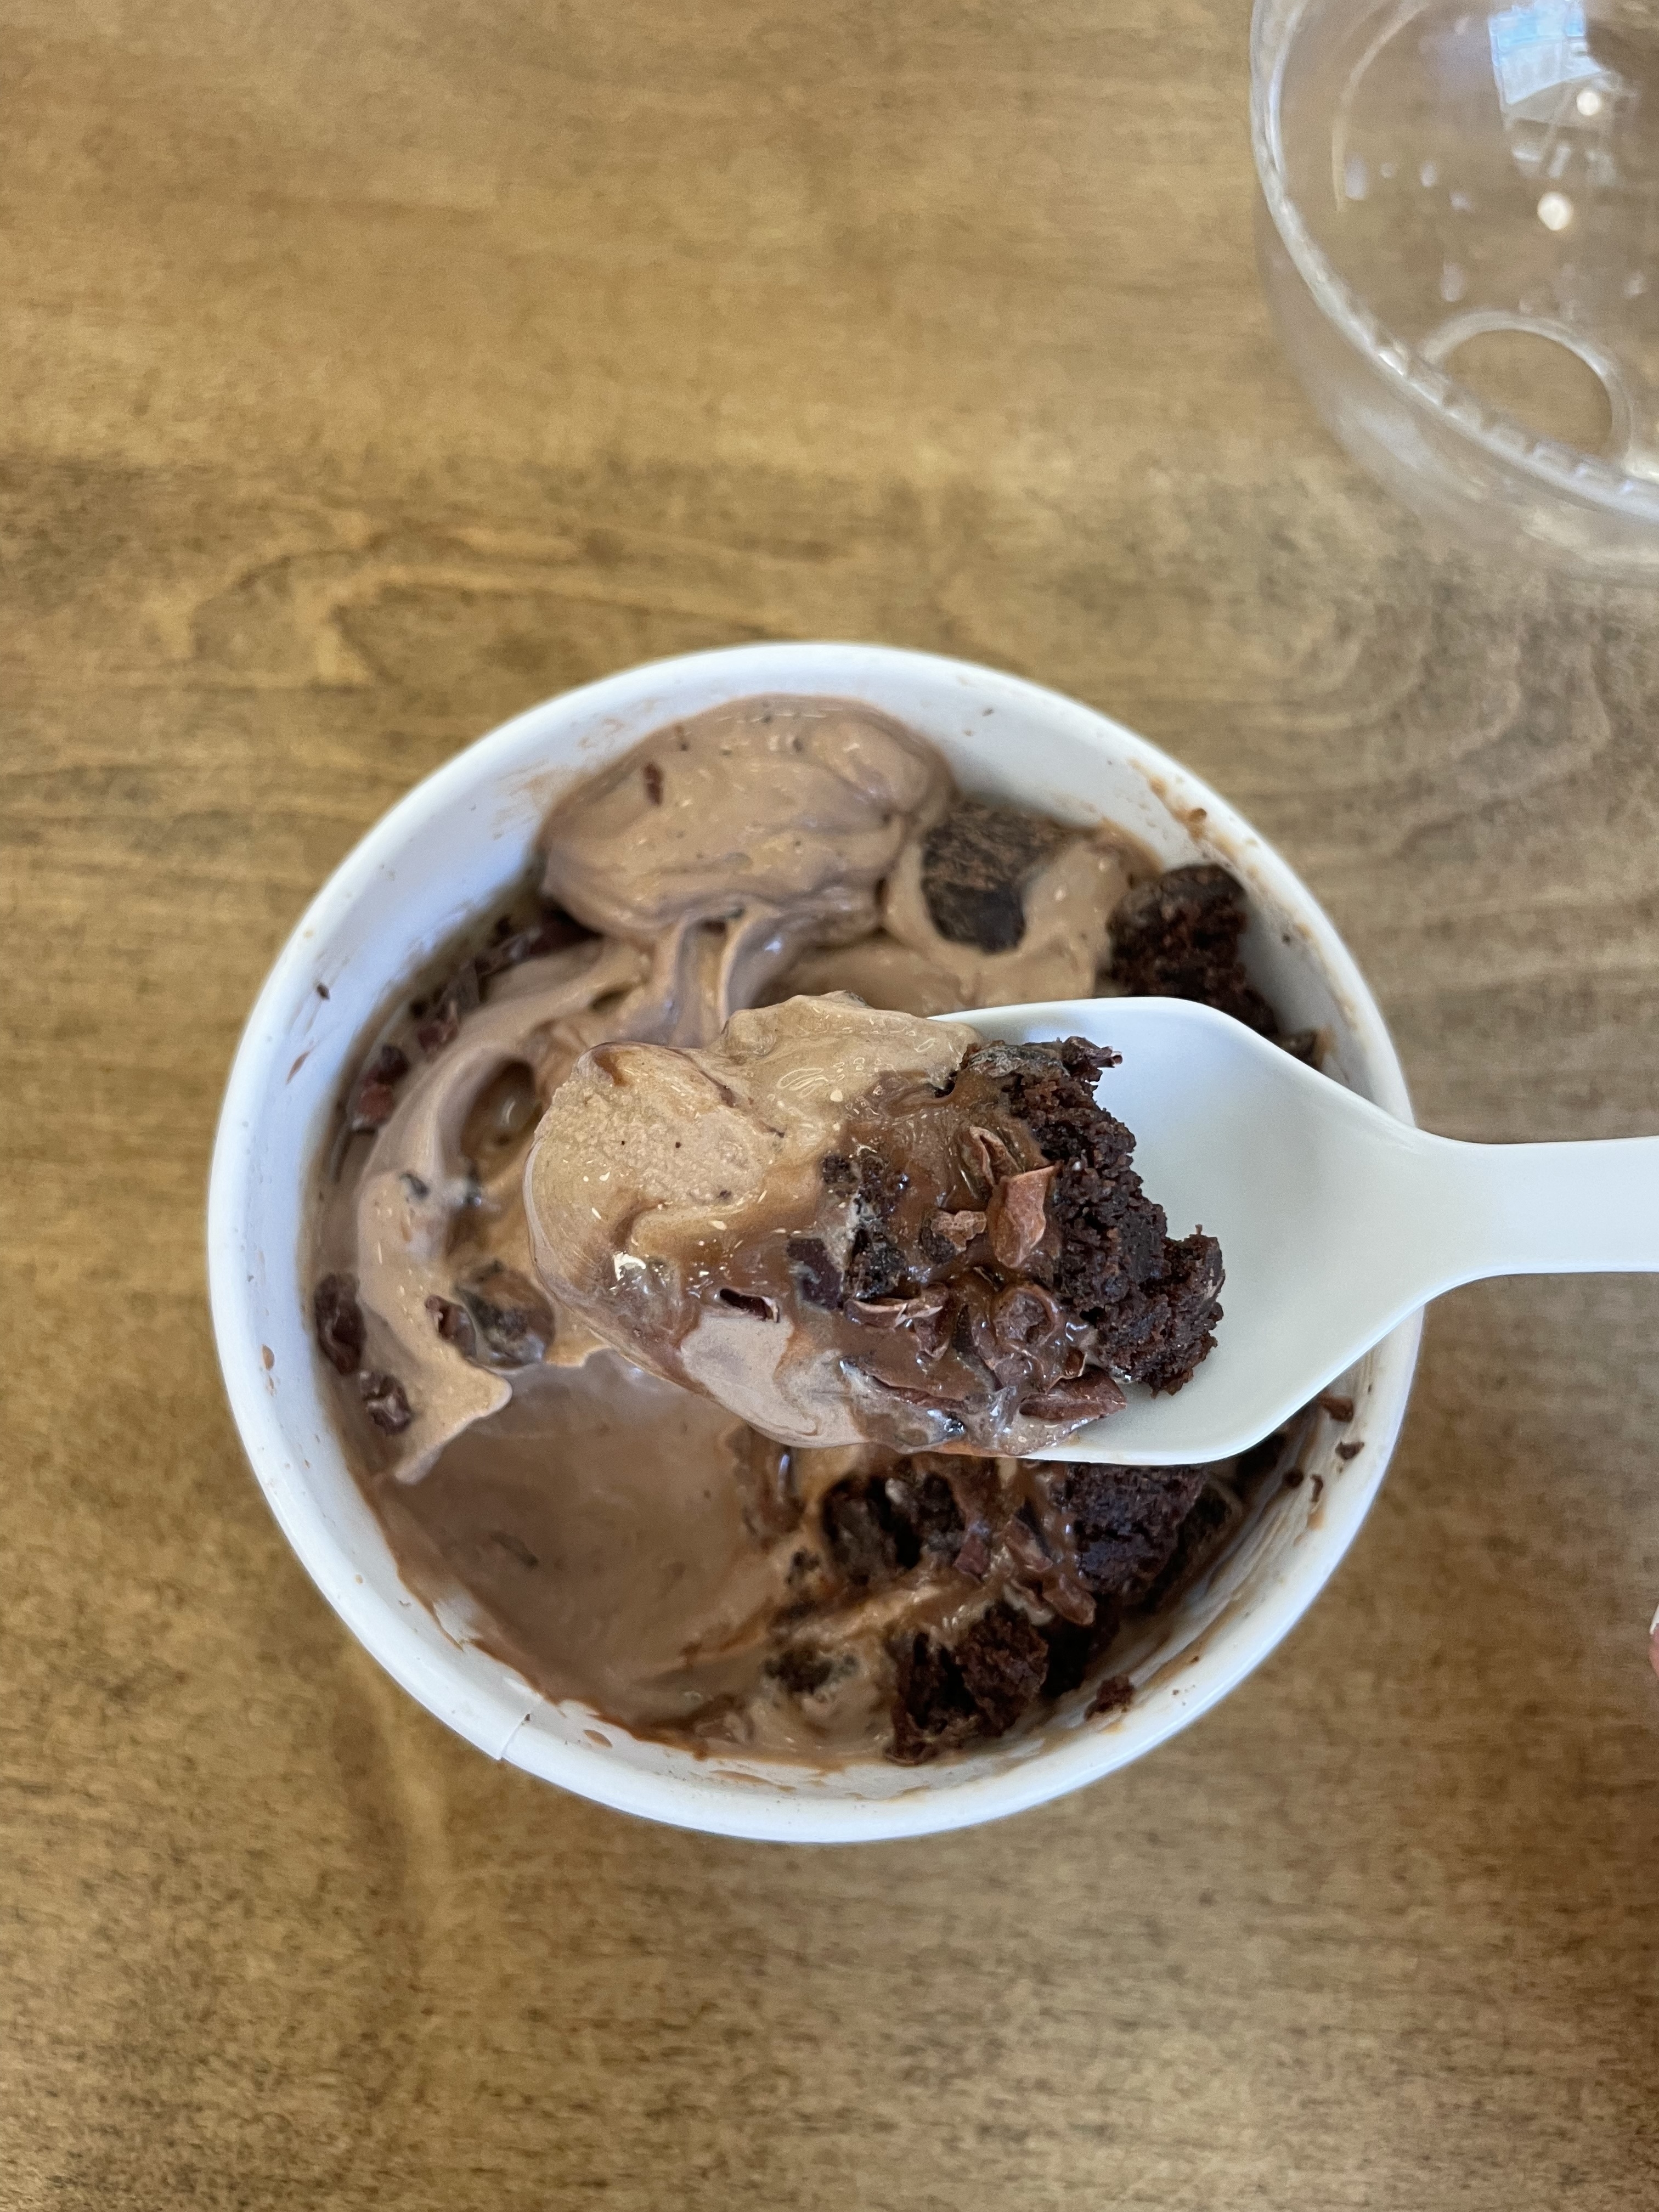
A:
(1335, 1221)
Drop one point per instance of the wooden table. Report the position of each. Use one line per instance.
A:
(374, 371)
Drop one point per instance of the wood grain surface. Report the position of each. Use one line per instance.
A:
(373, 371)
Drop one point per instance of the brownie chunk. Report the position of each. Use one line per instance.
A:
(1153, 1297)
(1127, 1522)
(949, 1695)
(1003, 1660)
(1177, 937)
(869, 1543)
(878, 1527)
(932, 1710)
(976, 863)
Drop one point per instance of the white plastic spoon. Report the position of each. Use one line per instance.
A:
(1335, 1221)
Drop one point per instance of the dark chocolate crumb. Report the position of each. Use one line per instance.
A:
(1339, 1408)
(1349, 1451)
(651, 775)
(836, 1173)
(386, 1402)
(373, 1103)
(1294, 1478)
(322, 990)
(1115, 1695)
(339, 1321)
(742, 1301)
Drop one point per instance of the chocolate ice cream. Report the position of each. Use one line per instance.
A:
(902, 1584)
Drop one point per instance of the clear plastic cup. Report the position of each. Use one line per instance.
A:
(1458, 236)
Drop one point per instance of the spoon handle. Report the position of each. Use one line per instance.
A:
(1588, 1208)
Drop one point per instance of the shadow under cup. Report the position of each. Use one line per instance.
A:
(449, 852)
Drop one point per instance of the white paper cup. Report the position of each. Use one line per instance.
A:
(444, 856)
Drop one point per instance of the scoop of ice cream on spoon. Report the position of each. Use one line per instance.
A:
(849, 1226)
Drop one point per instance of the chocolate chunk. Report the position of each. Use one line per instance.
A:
(339, 1321)
(975, 862)
(443, 1030)
(801, 1668)
(836, 1173)
(455, 1324)
(974, 1560)
(1338, 1407)
(1349, 1451)
(1004, 1658)
(1115, 1695)
(514, 1321)
(1177, 937)
(1126, 1521)
(552, 934)
(1015, 1218)
(958, 1231)
(817, 1276)
(927, 1320)
(1092, 1395)
(373, 1103)
(386, 1402)
(457, 999)
(745, 1302)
